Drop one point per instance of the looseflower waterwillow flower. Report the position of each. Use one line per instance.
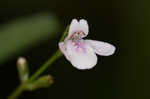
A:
(82, 53)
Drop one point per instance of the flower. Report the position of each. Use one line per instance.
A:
(82, 53)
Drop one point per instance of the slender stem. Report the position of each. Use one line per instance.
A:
(20, 88)
(58, 54)
(17, 92)
(64, 34)
(46, 65)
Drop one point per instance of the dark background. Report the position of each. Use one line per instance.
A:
(115, 77)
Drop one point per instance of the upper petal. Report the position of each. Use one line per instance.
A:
(81, 27)
(83, 57)
(101, 48)
(74, 27)
(84, 27)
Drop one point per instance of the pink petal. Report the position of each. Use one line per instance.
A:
(84, 27)
(101, 48)
(74, 27)
(79, 57)
(63, 49)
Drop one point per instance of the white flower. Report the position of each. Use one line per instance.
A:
(82, 53)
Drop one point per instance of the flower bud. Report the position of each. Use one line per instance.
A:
(23, 69)
(42, 82)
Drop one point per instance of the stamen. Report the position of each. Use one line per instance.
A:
(82, 33)
(78, 35)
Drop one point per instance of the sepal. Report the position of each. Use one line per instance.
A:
(42, 82)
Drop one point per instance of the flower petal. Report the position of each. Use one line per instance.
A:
(84, 26)
(83, 57)
(101, 48)
(74, 27)
(62, 48)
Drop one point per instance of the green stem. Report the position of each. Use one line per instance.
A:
(20, 88)
(17, 92)
(58, 54)
(46, 65)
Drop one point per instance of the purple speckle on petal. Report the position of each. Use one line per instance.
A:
(79, 46)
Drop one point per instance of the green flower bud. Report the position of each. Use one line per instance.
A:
(42, 82)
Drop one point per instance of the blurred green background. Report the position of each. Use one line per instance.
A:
(32, 29)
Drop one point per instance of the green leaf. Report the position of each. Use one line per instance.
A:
(23, 33)
(42, 82)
